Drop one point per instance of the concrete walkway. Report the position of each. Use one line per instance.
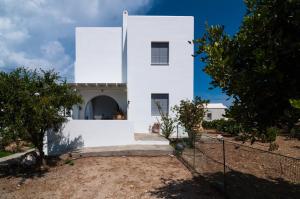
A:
(126, 150)
(14, 157)
(149, 139)
(145, 144)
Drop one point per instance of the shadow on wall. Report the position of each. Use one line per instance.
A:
(239, 185)
(58, 143)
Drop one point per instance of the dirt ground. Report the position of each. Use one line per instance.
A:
(287, 146)
(111, 177)
(251, 172)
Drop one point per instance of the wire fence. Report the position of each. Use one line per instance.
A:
(242, 171)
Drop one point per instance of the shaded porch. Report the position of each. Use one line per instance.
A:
(107, 101)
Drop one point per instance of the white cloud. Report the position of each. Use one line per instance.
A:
(40, 33)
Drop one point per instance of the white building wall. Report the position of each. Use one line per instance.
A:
(89, 133)
(216, 113)
(98, 55)
(176, 79)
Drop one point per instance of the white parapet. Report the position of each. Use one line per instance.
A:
(90, 133)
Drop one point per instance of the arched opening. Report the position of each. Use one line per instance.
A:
(101, 107)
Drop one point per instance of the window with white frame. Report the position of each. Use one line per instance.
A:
(159, 100)
(159, 53)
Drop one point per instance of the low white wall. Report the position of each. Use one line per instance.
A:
(90, 133)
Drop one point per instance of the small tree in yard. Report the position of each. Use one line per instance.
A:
(167, 123)
(190, 115)
(33, 102)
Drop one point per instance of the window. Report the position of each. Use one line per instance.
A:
(209, 116)
(162, 100)
(159, 53)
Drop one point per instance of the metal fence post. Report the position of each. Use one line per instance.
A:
(194, 135)
(177, 134)
(224, 168)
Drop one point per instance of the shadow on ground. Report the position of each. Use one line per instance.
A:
(238, 185)
(242, 185)
(197, 187)
(57, 144)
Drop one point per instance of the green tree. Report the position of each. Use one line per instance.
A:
(34, 102)
(259, 65)
(295, 103)
(190, 114)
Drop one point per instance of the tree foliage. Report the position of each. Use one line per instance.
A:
(295, 103)
(167, 123)
(259, 65)
(33, 102)
(190, 114)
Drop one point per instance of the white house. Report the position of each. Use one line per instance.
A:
(214, 111)
(122, 72)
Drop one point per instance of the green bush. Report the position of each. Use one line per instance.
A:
(190, 114)
(69, 162)
(225, 126)
(295, 132)
(6, 137)
(270, 134)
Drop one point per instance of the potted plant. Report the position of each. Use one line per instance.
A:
(156, 127)
(120, 114)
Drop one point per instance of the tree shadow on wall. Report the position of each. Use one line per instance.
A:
(58, 143)
(239, 185)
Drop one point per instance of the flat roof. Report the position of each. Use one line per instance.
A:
(112, 85)
(215, 105)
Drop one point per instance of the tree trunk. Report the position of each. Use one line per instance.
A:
(42, 155)
(41, 149)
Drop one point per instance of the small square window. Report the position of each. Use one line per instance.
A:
(159, 100)
(209, 116)
(159, 53)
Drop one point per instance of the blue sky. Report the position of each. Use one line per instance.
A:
(40, 33)
(226, 12)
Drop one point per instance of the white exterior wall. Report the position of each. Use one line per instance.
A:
(176, 79)
(90, 133)
(216, 113)
(98, 55)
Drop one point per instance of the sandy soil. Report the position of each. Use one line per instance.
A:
(111, 177)
(287, 146)
(250, 172)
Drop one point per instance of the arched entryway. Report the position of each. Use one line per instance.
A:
(102, 107)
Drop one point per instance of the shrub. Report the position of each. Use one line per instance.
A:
(167, 126)
(69, 162)
(271, 133)
(225, 126)
(190, 115)
(295, 132)
(167, 123)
